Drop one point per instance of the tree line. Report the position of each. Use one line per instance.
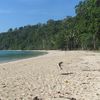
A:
(79, 32)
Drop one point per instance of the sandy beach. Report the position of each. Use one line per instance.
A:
(41, 76)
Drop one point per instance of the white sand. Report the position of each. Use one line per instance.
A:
(41, 76)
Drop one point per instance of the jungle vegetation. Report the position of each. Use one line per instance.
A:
(79, 32)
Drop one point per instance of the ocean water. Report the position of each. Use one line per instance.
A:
(12, 55)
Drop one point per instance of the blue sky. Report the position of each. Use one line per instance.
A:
(16, 13)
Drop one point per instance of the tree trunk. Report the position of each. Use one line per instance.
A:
(94, 41)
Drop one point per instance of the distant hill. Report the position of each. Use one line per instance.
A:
(79, 32)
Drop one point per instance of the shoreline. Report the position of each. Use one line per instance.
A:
(41, 76)
(47, 52)
(3, 62)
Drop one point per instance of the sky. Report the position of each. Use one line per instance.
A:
(16, 13)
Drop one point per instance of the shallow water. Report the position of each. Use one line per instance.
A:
(12, 55)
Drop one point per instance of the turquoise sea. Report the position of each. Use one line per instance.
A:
(12, 55)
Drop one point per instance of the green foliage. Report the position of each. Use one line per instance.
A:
(79, 32)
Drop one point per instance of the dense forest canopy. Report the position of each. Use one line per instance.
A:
(79, 32)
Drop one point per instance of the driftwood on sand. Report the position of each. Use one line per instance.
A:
(60, 65)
